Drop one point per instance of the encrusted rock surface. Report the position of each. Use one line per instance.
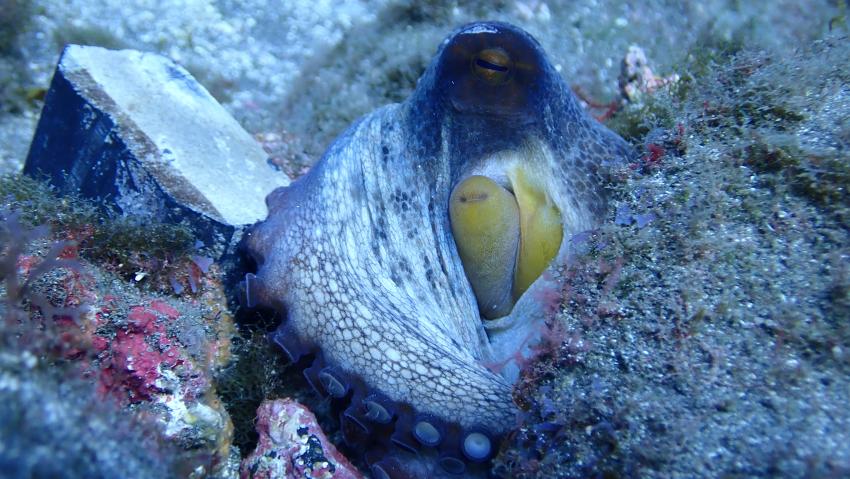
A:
(293, 445)
(149, 358)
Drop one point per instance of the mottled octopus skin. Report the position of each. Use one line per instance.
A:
(358, 253)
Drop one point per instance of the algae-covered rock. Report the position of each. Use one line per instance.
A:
(135, 371)
(704, 328)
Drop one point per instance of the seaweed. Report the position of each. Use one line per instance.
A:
(126, 245)
(19, 292)
(822, 178)
(92, 35)
(634, 121)
(255, 374)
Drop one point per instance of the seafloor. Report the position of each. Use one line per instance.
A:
(706, 324)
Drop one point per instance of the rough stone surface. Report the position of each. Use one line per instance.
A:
(58, 427)
(147, 362)
(705, 327)
(293, 445)
(136, 131)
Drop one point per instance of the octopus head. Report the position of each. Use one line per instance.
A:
(525, 162)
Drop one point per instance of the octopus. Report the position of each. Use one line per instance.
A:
(411, 260)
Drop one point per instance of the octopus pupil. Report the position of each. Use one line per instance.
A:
(476, 197)
(490, 66)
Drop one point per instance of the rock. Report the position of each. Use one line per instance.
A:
(151, 358)
(63, 429)
(163, 357)
(292, 444)
(137, 132)
(637, 78)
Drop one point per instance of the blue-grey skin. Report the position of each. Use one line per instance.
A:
(359, 252)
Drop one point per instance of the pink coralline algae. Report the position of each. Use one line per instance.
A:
(154, 358)
(150, 355)
(136, 358)
(293, 445)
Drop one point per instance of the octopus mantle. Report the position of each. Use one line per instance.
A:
(359, 253)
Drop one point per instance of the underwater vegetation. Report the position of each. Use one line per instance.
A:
(54, 424)
(127, 246)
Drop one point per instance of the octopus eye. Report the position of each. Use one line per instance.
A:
(493, 65)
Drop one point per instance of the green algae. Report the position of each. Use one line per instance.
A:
(634, 121)
(256, 373)
(123, 242)
(93, 35)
